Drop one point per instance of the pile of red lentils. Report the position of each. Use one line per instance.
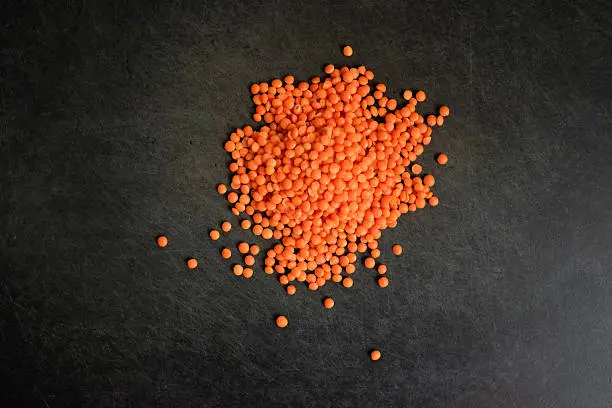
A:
(331, 167)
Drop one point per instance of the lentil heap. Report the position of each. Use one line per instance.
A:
(331, 167)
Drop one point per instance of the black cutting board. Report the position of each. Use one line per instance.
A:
(111, 131)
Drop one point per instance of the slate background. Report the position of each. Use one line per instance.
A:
(112, 121)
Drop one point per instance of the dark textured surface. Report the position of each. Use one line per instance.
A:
(111, 128)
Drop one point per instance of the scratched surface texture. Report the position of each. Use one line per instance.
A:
(111, 130)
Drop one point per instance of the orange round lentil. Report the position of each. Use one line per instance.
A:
(238, 270)
(162, 241)
(442, 158)
(249, 260)
(429, 180)
(226, 253)
(375, 355)
(347, 51)
(267, 233)
(243, 248)
(369, 263)
(232, 197)
(281, 321)
(397, 249)
(192, 263)
(226, 226)
(328, 303)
